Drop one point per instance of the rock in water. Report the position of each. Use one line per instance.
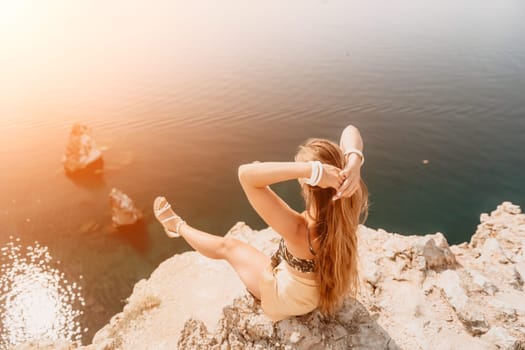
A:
(123, 210)
(81, 150)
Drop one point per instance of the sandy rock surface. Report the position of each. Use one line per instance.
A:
(417, 293)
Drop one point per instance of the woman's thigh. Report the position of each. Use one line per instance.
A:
(248, 262)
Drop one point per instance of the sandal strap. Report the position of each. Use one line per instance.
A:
(173, 233)
(163, 209)
(169, 218)
(177, 228)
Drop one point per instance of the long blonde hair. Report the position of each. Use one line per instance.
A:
(335, 226)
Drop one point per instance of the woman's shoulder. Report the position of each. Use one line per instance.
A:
(300, 232)
(299, 245)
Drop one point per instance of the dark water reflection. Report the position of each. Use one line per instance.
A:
(180, 94)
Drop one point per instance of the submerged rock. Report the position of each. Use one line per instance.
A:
(81, 150)
(123, 210)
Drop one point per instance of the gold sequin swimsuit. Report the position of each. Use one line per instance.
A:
(302, 265)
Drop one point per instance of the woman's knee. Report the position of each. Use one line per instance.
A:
(228, 244)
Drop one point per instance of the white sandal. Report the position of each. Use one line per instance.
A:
(162, 210)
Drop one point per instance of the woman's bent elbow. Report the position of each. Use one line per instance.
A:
(241, 172)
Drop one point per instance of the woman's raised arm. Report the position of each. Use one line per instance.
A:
(350, 138)
(256, 178)
(259, 174)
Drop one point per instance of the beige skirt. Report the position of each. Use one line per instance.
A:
(284, 294)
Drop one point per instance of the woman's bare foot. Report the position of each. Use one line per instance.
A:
(167, 217)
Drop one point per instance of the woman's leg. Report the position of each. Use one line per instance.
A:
(247, 261)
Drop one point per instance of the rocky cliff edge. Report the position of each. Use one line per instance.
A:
(417, 293)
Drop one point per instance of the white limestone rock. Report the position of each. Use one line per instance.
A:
(501, 338)
(450, 283)
(438, 256)
(510, 208)
(491, 252)
(475, 304)
(480, 283)
(474, 320)
(519, 269)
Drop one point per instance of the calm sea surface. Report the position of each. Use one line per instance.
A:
(180, 93)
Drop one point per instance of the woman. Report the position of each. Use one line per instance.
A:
(315, 265)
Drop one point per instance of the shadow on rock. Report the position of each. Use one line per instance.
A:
(244, 326)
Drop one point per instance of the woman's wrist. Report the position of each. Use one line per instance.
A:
(352, 159)
(316, 173)
(305, 170)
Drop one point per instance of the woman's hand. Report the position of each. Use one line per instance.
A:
(351, 175)
(332, 177)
